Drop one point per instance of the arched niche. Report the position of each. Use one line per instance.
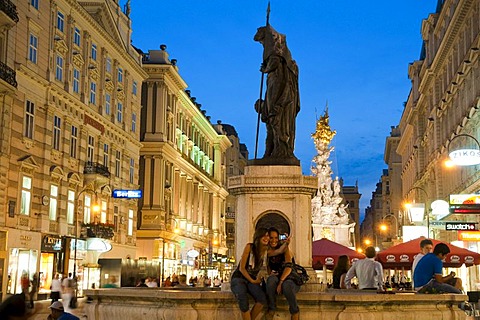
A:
(273, 219)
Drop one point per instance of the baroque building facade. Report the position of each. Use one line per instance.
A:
(442, 110)
(69, 136)
(440, 115)
(183, 176)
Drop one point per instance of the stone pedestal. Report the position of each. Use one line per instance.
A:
(339, 233)
(277, 196)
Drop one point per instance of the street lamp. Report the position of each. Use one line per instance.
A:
(420, 207)
(396, 222)
(463, 156)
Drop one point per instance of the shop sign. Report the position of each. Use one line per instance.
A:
(465, 157)
(51, 243)
(457, 226)
(92, 122)
(127, 194)
(192, 253)
(464, 203)
(469, 235)
(25, 240)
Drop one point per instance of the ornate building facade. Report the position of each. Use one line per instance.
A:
(69, 136)
(442, 110)
(183, 175)
(441, 115)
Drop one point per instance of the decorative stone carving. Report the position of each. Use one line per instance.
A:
(109, 85)
(27, 142)
(120, 93)
(78, 60)
(61, 47)
(94, 74)
(327, 210)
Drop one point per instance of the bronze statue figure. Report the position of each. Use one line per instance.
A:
(282, 103)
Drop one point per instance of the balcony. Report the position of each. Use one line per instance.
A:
(97, 230)
(7, 74)
(96, 168)
(8, 13)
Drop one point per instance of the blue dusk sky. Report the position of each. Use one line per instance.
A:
(353, 54)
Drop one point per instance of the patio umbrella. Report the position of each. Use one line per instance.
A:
(402, 255)
(326, 253)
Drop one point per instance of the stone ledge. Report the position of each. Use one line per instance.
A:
(155, 303)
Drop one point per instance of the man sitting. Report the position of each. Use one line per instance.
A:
(426, 246)
(428, 272)
(368, 272)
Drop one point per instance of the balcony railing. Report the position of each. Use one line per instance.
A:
(10, 9)
(96, 168)
(97, 230)
(8, 74)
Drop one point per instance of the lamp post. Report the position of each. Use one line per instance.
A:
(175, 231)
(396, 222)
(426, 210)
(463, 156)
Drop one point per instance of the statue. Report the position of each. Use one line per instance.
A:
(343, 217)
(336, 187)
(282, 103)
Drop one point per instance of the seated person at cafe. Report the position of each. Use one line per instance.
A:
(369, 272)
(428, 276)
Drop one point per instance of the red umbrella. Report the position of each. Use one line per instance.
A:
(326, 252)
(402, 255)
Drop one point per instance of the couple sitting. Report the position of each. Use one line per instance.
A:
(264, 259)
(427, 270)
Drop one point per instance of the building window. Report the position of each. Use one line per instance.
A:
(26, 196)
(108, 102)
(130, 222)
(103, 212)
(115, 218)
(70, 207)
(134, 122)
(77, 37)
(34, 3)
(56, 132)
(118, 163)
(106, 156)
(119, 112)
(90, 148)
(33, 47)
(60, 21)
(93, 92)
(29, 119)
(94, 52)
(132, 170)
(87, 208)
(52, 212)
(59, 68)
(76, 80)
(108, 65)
(134, 88)
(73, 142)
(120, 75)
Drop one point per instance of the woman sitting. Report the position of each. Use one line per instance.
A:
(278, 281)
(340, 271)
(246, 279)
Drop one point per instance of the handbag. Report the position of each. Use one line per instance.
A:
(298, 274)
(73, 303)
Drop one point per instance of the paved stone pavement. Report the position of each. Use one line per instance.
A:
(44, 311)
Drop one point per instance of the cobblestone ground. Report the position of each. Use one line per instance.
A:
(43, 311)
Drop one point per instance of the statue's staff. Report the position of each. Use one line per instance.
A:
(261, 90)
